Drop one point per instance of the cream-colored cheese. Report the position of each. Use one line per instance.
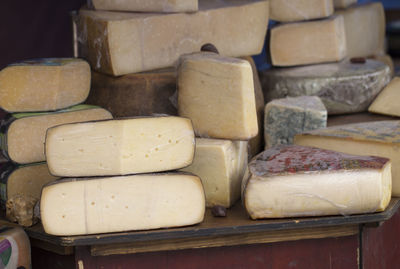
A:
(19, 246)
(343, 3)
(387, 102)
(299, 10)
(147, 5)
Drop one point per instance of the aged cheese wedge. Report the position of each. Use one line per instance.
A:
(284, 118)
(387, 101)
(364, 28)
(44, 84)
(299, 10)
(380, 138)
(122, 43)
(15, 249)
(115, 204)
(217, 94)
(120, 147)
(294, 181)
(220, 164)
(147, 5)
(343, 87)
(343, 3)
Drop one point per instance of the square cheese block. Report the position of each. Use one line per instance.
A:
(299, 10)
(379, 138)
(147, 5)
(308, 42)
(387, 102)
(15, 251)
(343, 3)
(119, 43)
(120, 147)
(79, 206)
(284, 118)
(217, 94)
(297, 181)
(22, 146)
(220, 164)
(44, 84)
(365, 29)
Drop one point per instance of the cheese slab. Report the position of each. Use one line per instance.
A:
(296, 181)
(380, 138)
(147, 5)
(343, 87)
(387, 101)
(44, 84)
(217, 94)
(299, 10)
(343, 3)
(284, 118)
(122, 43)
(25, 147)
(220, 164)
(120, 147)
(116, 204)
(15, 249)
(308, 42)
(365, 29)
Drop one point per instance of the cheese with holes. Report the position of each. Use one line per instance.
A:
(217, 94)
(299, 10)
(343, 87)
(120, 147)
(114, 204)
(220, 164)
(387, 101)
(296, 181)
(365, 29)
(44, 84)
(147, 5)
(121, 43)
(380, 138)
(284, 118)
(22, 146)
(343, 3)
(15, 249)
(308, 42)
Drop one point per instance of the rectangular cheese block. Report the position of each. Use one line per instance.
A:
(297, 181)
(217, 94)
(115, 204)
(22, 146)
(379, 138)
(365, 29)
(44, 84)
(15, 249)
(147, 5)
(308, 42)
(387, 102)
(120, 147)
(220, 164)
(122, 43)
(299, 10)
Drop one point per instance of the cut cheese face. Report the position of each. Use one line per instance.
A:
(116, 204)
(119, 43)
(147, 5)
(387, 101)
(44, 84)
(15, 250)
(296, 181)
(343, 3)
(308, 42)
(220, 164)
(300, 10)
(120, 147)
(380, 138)
(217, 94)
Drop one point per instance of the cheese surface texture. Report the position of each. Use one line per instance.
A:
(120, 147)
(300, 10)
(122, 43)
(15, 249)
(343, 3)
(44, 84)
(380, 138)
(115, 204)
(217, 94)
(294, 181)
(284, 118)
(308, 42)
(386, 102)
(220, 164)
(147, 5)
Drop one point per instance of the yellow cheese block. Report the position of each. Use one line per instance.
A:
(387, 102)
(147, 5)
(299, 10)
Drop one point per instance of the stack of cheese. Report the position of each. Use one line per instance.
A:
(28, 91)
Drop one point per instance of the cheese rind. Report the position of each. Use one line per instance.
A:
(120, 147)
(44, 84)
(300, 10)
(343, 3)
(115, 204)
(147, 5)
(293, 181)
(386, 102)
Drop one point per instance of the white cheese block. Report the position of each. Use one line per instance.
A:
(217, 94)
(120, 147)
(284, 118)
(116, 204)
(387, 102)
(380, 138)
(15, 249)
(220, 164)
(299, 10)
(147, 5)
(295, 181)
(343, 3)
(120, 43)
